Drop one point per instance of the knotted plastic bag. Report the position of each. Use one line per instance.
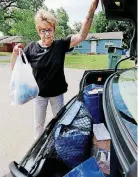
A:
(23, 86)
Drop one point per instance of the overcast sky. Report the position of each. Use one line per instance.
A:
(76, 9)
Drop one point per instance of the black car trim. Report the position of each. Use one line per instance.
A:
(15, 172)
(133, 170)
(97, 72)
(126, 154)
(126, 117)
(123, 59)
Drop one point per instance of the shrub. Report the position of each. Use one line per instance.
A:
(75, 53)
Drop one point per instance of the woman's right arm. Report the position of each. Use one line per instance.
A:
(15, 53)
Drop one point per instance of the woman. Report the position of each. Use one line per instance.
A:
(47, 60)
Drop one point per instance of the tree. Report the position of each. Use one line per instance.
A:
(21, 4)
(17, 18)
(59, 33)
(101, 24)
(62, 22)
(4, 24)
(8, 9)
(77, 27)
(25, 25)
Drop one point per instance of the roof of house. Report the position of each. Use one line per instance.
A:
(3, 37)
(108, 35)
(10, 39)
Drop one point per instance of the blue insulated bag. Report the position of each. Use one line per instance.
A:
(89, 168)
(93, 102)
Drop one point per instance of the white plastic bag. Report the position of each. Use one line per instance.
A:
(23, 86)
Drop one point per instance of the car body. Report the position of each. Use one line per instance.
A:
(119, 102)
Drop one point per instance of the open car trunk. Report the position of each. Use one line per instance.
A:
(42, 159)
(61, 148)
(69, 141)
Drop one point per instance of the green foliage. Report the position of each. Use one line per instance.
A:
(20, 20)
(101, 24)
(75, 53)
(8, 9)
(21, 4)
(63, 28)
(4, 24)
(77, 27)
(25, 25)
(59, 33)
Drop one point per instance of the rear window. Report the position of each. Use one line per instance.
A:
(125, 99)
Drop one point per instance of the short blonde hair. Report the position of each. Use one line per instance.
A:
(44, 16)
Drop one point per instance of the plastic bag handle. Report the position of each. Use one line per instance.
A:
(26, 61)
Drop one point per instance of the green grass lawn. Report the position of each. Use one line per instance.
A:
(87, 62)
(91, 62)
(5, 53)
(4, 61)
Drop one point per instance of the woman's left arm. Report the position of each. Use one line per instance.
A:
(77, 38)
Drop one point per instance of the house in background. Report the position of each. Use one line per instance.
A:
(98, 43)
(8, 42)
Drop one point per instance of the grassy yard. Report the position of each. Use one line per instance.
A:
(4, 61)
(87, 62)
(5, 53)
(91, 62)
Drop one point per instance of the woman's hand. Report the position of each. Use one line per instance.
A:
(15, 53)
(16, 49)
(77, 38)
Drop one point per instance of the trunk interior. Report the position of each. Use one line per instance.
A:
(41, 160)
(100, 149)
(93, 102)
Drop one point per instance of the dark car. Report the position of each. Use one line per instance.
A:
(67, 139)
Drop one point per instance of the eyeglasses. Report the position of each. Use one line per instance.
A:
(44, 31)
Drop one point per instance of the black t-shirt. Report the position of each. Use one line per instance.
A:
(48, 66)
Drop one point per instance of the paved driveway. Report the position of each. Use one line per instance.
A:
(16, 123)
